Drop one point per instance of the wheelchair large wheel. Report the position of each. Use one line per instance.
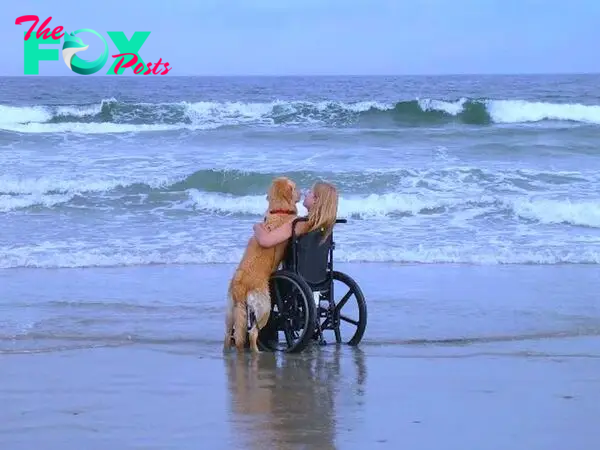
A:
(293, 314)
(347, 313)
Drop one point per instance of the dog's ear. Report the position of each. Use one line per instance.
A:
(274, 190)
(288, 191)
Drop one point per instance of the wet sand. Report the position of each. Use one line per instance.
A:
(454, 357)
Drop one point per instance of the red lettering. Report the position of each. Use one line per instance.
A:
(139, 67)
(57, 30)
(129, 63)
(157, 67)
(28, 18)
(41, 32)
(167, 69)
(44, 31)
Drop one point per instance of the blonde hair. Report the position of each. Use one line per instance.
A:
(324, 211)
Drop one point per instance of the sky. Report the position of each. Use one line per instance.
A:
(326, 37)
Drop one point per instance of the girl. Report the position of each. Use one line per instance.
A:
(321, 203)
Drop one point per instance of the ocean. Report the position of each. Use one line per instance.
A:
(174, 170)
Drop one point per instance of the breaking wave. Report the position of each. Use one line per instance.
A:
(241, 182)
(68, 257)
(377, 194)
(114, 116)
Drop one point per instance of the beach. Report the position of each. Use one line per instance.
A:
(454, 357)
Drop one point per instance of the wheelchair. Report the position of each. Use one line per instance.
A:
(304, 301)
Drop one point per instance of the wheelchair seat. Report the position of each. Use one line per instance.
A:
(311, 258)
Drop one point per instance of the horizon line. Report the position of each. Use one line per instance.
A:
(313, 75)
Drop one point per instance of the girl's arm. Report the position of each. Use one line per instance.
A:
(268, 238)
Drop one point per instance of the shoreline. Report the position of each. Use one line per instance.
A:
(446, 306)
(336, 263)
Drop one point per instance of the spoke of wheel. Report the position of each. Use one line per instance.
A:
(288, 333)
(279, 299)
(346, 319)
(344, 299)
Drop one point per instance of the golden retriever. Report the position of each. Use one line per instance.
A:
(249, 288)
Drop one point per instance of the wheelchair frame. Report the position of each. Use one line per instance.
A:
(307, 307)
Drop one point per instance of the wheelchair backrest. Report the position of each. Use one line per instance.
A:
(312, 257)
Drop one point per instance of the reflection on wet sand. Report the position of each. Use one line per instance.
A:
(284, 401)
